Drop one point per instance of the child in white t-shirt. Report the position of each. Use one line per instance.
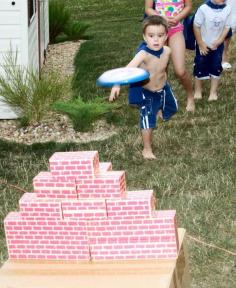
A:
(211, 25)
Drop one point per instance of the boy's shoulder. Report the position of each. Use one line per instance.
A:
(214, 7)
(207, 8)
(143, 49)
(203, 7)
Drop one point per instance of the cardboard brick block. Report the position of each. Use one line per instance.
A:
(47, 186)
(109, 184)
(74, 165)
(46, 239)
(33, 208)
(150, 238)
(84, 209)
(138, 204)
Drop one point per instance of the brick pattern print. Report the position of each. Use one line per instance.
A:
(80, 211)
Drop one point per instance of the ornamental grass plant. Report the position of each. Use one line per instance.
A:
(28, 95)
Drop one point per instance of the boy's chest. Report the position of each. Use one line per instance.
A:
(215, 19)
(155, 64)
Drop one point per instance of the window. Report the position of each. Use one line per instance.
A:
(31, 10)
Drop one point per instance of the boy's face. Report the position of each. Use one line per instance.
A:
(155, 36)
(219, 2)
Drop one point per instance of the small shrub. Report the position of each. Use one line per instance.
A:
(61, 26)
(83, 114)
(59, 16)
(28, 95)
(75, 30)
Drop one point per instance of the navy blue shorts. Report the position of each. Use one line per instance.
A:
(163, 100)
(206, 66)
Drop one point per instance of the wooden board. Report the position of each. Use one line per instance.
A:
(133, 274)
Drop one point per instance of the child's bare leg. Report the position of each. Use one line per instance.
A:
(177, 45)
(214, 86)
(147, 144)
(198, 89)
(160, 114)
(225, 56)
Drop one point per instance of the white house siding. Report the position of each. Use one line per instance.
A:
(17, 35)
(33, 44)
(10, 29)
(44, 28)
(11, 17)
(46, 23)
(13, 30)
(13, 36)
(15, 45)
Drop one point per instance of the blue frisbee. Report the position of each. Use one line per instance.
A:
(122, 76)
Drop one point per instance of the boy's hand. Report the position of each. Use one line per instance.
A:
(203, 48)
(216, 44)
(115, 91)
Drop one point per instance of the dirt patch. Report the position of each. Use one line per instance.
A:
(57, 128)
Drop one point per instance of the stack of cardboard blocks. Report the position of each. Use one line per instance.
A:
(80, 210)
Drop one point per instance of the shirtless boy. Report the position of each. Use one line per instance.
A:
(154, 97)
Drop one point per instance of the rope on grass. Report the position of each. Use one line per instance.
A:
(4, 182)
(211, 245)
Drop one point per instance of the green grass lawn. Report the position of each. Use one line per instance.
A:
(196, 165)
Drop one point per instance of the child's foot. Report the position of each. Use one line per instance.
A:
(190, 105)
(197, 95)
(147, 154)
(213, 97)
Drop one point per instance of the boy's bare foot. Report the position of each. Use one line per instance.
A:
(226, 66)
(213, 97)
(197, 95)
(147, 154)
(190, 105)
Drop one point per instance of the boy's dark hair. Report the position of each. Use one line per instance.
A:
(154, 20)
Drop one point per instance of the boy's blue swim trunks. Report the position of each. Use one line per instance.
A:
(152, 102)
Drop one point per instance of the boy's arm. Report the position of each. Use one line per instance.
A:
(135, 62)
(202, 45)
(221, 39)
(224, 33)
(199, 20)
